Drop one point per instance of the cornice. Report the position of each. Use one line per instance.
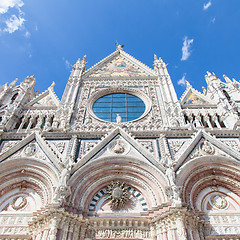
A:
(170, 133)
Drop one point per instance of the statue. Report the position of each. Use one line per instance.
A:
(170, 173)
(65, 175)
(119, 147)
(118, 118)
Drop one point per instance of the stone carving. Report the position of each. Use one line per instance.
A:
(218, 201)
(63, 190)
(148, 145)
(233, 144)
(119, 147)
(118, 118)
(8, 145)
(31, 149)
(176, 145)
(19, 202)
(207, 148)
(122, 233)
(61, 193)
(118, 194)
(170, 173)
(60, 146)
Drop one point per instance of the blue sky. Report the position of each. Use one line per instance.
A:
(45, 37)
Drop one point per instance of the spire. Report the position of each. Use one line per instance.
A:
(160, 66)
(80, 64)
(211, 77)
(227, 79)
(28, 82)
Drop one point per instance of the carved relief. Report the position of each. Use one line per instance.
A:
(121, 234)
(118, 147)
(148, 145)
(232, 144)
(8, 145)
(31, 149)
(60, 146)
(206, 148)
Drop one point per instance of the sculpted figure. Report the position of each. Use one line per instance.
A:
(118, 118)
(171, 175)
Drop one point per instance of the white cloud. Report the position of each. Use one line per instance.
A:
(213, 20)
(186, 48)
(27, 34)
(207, 5)
(67, 63)
(6, 4)
(13, 24)
(182, 81)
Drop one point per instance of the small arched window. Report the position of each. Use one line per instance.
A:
(13, 98)
(226, 95)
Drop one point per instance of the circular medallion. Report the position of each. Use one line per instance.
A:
(118, 147)
(207, 148)
(19, 202)
(218, 201)
(31, 149)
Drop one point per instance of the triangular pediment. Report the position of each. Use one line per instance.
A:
(33, 146)
(204, 145)
(119, 64)
(47, 99)
(118, 144)
(192, 97)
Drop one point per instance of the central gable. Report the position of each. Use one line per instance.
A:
(119, 67)
(119, 64)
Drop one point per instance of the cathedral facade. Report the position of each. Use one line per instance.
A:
(120, 156)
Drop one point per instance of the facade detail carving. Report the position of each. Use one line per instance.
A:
(142, 165)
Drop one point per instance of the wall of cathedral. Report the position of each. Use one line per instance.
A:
(152, 167)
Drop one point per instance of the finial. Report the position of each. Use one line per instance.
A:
(208, 73)
(227, 79)
(80, 64)
(119, 46)
(188, 84)
(52, 85)
(155, 57)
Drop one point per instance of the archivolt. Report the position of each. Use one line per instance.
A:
(30, 173)
(97, 174)
(201, 173)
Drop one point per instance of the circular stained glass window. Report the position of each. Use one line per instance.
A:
(127, 106)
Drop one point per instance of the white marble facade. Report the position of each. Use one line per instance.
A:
(170, 173)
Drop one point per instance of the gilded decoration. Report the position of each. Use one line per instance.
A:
(194, 99)
(19, 203)
(118, 194)
(119, 67)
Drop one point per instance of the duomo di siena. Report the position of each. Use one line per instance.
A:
(120, 156)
